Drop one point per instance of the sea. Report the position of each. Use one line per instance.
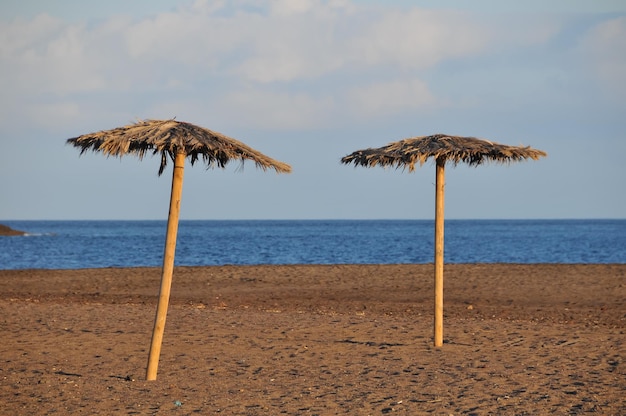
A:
(97, 244)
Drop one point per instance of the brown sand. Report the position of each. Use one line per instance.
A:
(325, 340)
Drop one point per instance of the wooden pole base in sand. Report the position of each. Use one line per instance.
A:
(168, 266)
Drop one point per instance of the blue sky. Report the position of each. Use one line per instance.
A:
(307, 82)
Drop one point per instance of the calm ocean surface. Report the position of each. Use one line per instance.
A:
(86, 244)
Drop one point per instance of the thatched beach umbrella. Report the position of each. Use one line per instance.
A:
(172, 140)
(442, 148)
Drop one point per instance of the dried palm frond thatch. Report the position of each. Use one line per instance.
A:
(442, 148)
(175, 140)
(456, 149)
(169, 137)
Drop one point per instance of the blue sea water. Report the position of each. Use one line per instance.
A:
(87, 244)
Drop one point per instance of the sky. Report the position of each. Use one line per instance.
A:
(307, 82)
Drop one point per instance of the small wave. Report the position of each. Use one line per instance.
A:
(39, 234)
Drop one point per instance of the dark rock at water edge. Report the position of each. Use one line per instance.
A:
(8, 231)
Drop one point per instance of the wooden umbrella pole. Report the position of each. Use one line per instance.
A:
(439, 220)
(168, 266)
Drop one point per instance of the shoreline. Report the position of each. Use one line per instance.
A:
(316, 339)
(431, 264)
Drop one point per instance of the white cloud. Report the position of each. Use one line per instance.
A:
(183, 38)
(56, 114)
(49, 57)
(247, 107)
(305, 39)
(512, 31)
(418, 38)
(278, 110)
(288, 51)
(291, 7)
(204, 50)
(391, 97)
(21, 35)
(604, 49)
(207, 6)
(315, 43)
(281, 63)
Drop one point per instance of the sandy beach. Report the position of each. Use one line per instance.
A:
(316, 340)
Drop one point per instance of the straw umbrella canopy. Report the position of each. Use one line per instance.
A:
(173, 140)
(441, 148)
